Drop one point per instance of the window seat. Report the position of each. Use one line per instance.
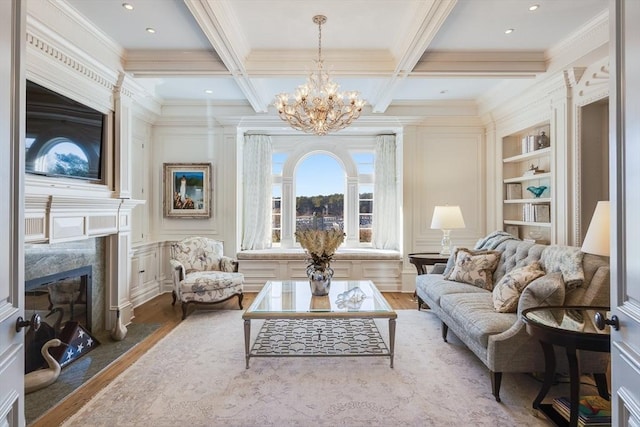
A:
(299, 254)
(383, 267)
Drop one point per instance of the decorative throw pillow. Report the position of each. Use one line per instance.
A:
(567, 260)
(507, 291)
(474, 267)
(451, 262)
(544, 291)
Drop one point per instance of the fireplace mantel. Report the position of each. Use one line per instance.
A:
(54, 219)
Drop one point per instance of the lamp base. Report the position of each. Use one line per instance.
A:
(446, 242)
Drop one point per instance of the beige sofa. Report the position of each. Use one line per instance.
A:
(500, 340)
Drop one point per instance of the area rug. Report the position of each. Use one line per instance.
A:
(196, 376)
(76, 374)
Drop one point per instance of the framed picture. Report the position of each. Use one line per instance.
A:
(187, 190)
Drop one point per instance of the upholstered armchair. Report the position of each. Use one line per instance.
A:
(202, 274)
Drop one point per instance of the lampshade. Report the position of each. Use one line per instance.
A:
(447, 218)
(597, 239)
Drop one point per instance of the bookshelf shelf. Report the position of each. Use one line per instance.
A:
(519, 160)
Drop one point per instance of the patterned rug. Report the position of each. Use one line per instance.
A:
(196, 376)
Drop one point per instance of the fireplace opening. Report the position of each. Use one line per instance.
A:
(58, 299)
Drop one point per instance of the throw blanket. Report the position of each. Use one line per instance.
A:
(567, 260)
(493, 240)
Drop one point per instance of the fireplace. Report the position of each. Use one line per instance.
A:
(61, 297)
(68, 277)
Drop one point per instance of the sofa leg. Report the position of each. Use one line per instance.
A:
(173, 294)
(445, 329)
(601, 383)
(419, 302)
(496, 379)
(240, 297)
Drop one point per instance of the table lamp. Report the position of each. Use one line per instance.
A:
(596, 241)
(447, 218)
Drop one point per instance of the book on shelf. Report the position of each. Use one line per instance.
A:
(541, 213)
(593, 410)
(514, 191)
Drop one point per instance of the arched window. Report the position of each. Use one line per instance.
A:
(322, 187)
(319, 183)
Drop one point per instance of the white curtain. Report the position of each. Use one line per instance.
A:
(257, 192)
(385, 195)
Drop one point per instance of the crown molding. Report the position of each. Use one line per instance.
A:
(149, 63)
(487, 63)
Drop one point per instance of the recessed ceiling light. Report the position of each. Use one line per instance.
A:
(208, 91)
(509, 31)
(534, 7)
(444, 91)
(127, 6)
(151, 30)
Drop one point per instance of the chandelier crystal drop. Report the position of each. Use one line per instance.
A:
(317, 106)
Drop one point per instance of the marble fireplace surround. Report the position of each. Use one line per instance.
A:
(46, 260)
(82, 223)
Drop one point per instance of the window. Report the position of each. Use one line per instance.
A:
(277, 163)
(322, 187)
(319, 184)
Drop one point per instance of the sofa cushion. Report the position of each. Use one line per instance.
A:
(544, 291)
(474, 267)
(433, 286)
(200, 281)
(474, 313)
(507, 291)
(567, 260)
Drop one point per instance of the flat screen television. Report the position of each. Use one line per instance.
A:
(64, 138)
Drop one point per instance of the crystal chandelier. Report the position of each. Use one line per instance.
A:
(317, 107)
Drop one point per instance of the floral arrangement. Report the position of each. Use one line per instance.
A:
(320, 245)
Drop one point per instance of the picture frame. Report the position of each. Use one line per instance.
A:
(187, 190)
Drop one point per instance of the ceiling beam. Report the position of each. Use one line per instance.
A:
(219, 25)
(419, 36)
(479, 64)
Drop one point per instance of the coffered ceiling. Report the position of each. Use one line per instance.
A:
(392, 51)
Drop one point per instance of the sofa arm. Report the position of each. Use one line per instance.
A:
(438, 268)
(228, 264)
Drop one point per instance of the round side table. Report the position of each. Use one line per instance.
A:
(574, 329)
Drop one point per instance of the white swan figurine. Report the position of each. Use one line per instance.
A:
(43, 377)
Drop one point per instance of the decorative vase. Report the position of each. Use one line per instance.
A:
(119, 331)
(319, 279)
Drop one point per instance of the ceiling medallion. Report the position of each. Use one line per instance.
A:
(316, 106)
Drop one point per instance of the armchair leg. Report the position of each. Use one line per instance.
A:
(184, 310)
(240, 297)
(173, 294)
(496, 379)
(445, 330)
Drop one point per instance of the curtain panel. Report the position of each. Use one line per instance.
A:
(256, 169)
(385, 195)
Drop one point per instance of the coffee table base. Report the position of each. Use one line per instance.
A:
(321, 337)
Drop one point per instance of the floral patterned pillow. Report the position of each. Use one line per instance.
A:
(506, 293)
(474, 267)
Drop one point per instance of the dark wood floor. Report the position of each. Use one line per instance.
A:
(159, 310)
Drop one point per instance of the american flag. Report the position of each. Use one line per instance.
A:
(79, 342)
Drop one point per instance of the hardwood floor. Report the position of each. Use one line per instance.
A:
(159, 310)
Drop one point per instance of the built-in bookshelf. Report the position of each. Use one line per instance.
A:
(527, 177)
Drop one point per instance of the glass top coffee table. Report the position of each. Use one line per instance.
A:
(299, 324)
